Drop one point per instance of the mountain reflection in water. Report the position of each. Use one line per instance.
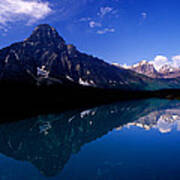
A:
(49, 141)
(163, 120)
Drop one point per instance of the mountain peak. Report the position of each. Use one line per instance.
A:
(142, 63)
(143, 67)
(45, 34)
(44, 26)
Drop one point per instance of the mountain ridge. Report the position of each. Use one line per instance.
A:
(45, 59)
(46, 52)
(147, 68)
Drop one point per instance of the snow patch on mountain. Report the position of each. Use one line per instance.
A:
(42, 72)
(69, 78)
(86, 83)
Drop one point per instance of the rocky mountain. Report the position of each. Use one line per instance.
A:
(148, 69)
(168, 71)
(45, 59)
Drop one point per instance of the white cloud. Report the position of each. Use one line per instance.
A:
(93, 24)
(30, 10)
(176, 61)
(144, 15)
(160, 61)
(106, 30)
(104, 11)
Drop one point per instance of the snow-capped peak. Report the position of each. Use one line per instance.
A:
(141, 63)
(167, 69)
(152, 69)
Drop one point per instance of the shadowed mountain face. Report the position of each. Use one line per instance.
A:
(44, 59)
(49, 141)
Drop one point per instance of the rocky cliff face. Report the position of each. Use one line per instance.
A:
(44, 57)
(146, 68)
(168, 71)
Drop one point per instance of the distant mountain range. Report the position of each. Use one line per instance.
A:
(148, 69)
(45, 59)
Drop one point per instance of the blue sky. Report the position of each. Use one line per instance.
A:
(121, 31)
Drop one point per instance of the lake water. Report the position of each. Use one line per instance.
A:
(122, 141)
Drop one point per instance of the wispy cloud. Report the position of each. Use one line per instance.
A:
(104, 10)
(144, 15)
(4, 29)
(100, 21)
(106, 30)
(15, 10)
(93, 24)
(85, 19)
